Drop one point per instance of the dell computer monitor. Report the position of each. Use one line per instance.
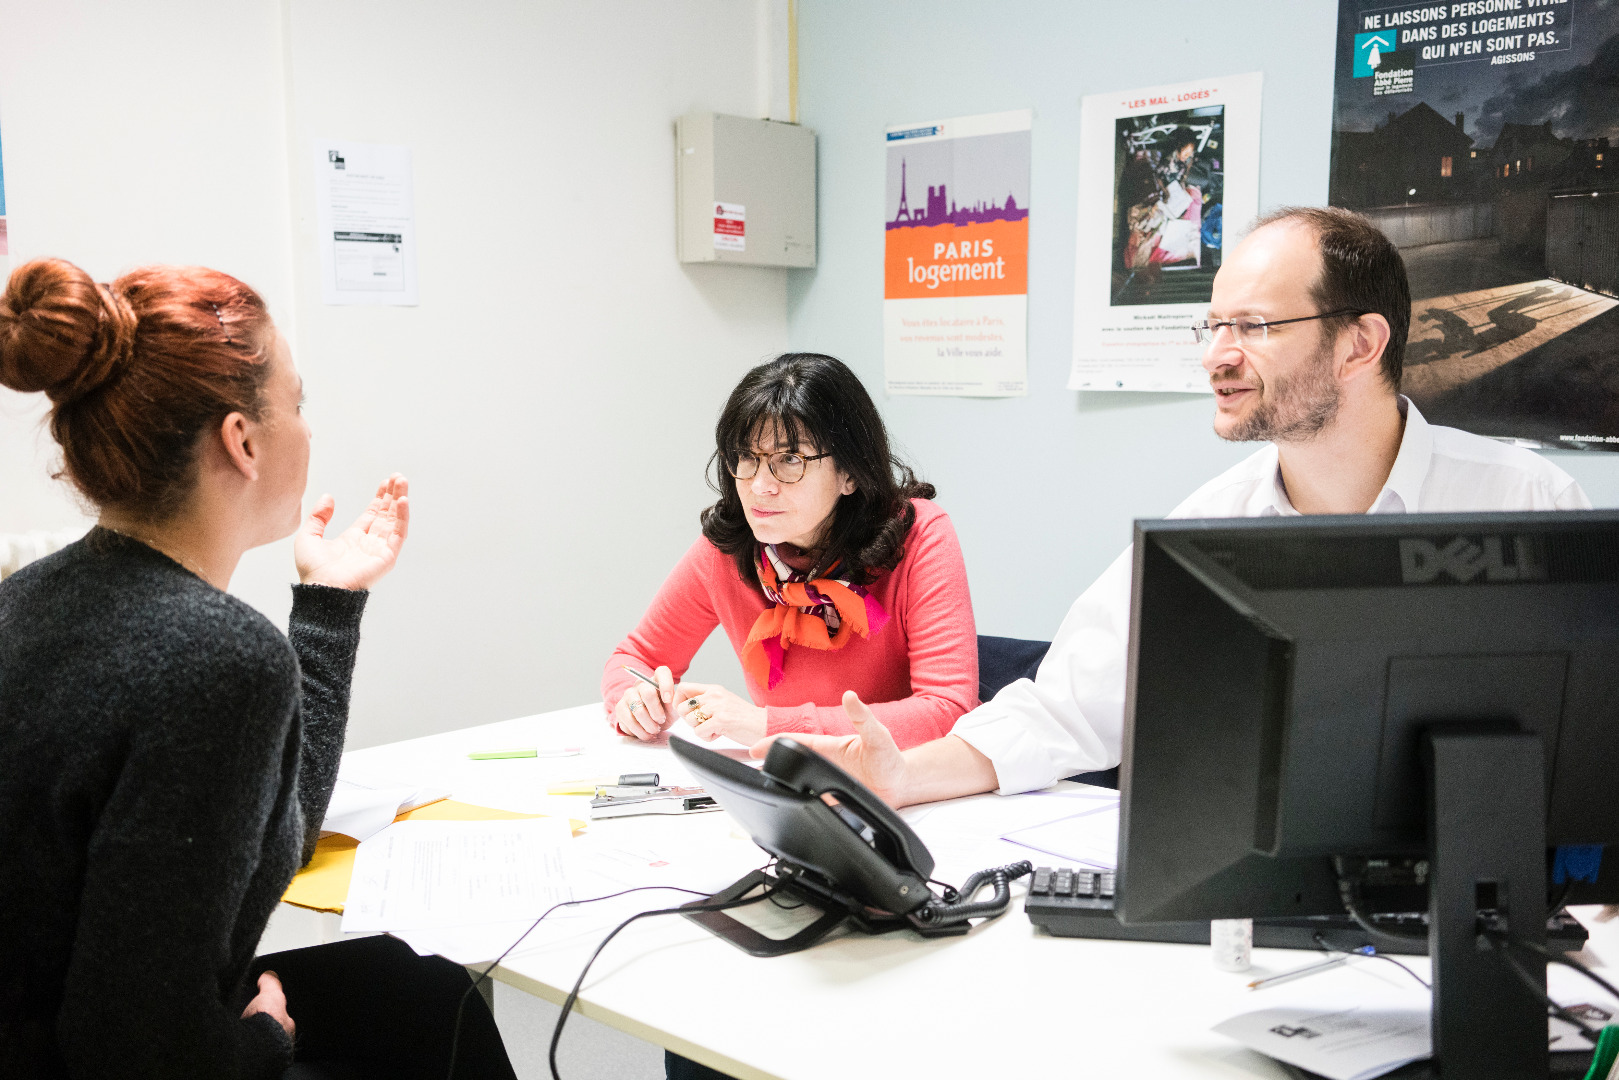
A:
(1291, 678)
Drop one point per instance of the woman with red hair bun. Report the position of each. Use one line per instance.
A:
(166, 755)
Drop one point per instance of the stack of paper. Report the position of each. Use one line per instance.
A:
(462, 889)
(363, 810)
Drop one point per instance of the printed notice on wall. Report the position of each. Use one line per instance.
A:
(366, 223)
(1481, 138)
(1161, 173)
(955, 295)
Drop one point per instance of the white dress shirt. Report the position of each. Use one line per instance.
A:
(1070, 717)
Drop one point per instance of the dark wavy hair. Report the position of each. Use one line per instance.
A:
(815, 400)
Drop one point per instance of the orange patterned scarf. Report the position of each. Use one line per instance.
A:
(812, 613)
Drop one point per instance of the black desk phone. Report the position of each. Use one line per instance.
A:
(838, 848)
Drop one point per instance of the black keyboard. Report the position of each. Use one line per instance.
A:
(1066, 902)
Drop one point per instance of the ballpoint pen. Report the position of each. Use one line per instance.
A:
(643, 676)
(1311, 969)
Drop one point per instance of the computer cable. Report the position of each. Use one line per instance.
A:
(1606, 1040)
(1555, 957)
(483, 976)
(1370, 952)
(1535, 990)
(573, 995)
(1349, 896)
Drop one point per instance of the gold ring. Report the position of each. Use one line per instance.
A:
(702, 717)
(693, 704)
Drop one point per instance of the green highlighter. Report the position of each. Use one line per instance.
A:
(496, 755)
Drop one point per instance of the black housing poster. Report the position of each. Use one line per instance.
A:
(1481, 137)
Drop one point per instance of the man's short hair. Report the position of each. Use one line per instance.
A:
(1360, 271)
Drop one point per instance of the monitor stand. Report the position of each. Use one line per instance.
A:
(1487, 850)
(1487, 853)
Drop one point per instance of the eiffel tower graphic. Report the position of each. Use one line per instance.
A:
(904, 207)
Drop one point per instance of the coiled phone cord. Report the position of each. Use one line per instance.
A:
(958, 906)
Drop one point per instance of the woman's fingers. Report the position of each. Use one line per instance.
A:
(631, 716)
(320, 517)
(666, 684)
(401, 525)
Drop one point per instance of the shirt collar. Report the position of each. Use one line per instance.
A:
(1402, 491)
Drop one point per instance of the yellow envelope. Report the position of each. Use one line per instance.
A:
(324, 884)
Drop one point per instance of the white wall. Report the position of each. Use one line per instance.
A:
(1042, 489)
(136, 133)
(552, 398)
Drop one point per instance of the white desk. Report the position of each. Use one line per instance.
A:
(1004, 997)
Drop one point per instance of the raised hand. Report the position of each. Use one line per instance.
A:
(870, 755)
(360, 555)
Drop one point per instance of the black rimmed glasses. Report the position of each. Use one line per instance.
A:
(785, 466)
(1251, 329)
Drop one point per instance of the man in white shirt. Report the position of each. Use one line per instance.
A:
(1305, 339)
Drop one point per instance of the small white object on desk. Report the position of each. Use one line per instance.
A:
(1232, 942)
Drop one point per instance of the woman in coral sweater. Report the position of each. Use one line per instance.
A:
(828, 567)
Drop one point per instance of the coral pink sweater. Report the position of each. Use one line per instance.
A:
(918, 673)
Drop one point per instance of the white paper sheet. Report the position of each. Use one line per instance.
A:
(366, 222)
(1088, 838)
(363, 810)
(1364, 1019)
(417, 875)
(1341, 1044)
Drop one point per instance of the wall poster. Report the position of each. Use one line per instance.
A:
(1480, 136)
(1161, 171)
(366, 223)
(955, 259)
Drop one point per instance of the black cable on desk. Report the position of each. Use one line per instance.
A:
(1321, 943)
(483, 976)
(1533, 987)
(573, 995)
(1555, 957)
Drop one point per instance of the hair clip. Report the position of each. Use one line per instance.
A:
(221, 317)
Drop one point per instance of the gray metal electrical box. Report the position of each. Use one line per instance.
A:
(744, 191)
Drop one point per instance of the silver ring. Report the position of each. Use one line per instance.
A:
(636, 704)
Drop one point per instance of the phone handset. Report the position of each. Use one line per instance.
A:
(794, 765)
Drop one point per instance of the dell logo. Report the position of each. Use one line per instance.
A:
(1496, 558)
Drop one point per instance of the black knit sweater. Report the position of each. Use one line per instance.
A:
(165, 762)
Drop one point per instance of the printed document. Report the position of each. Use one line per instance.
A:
(418, 875)
(366, 223)
(1341, 1044)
